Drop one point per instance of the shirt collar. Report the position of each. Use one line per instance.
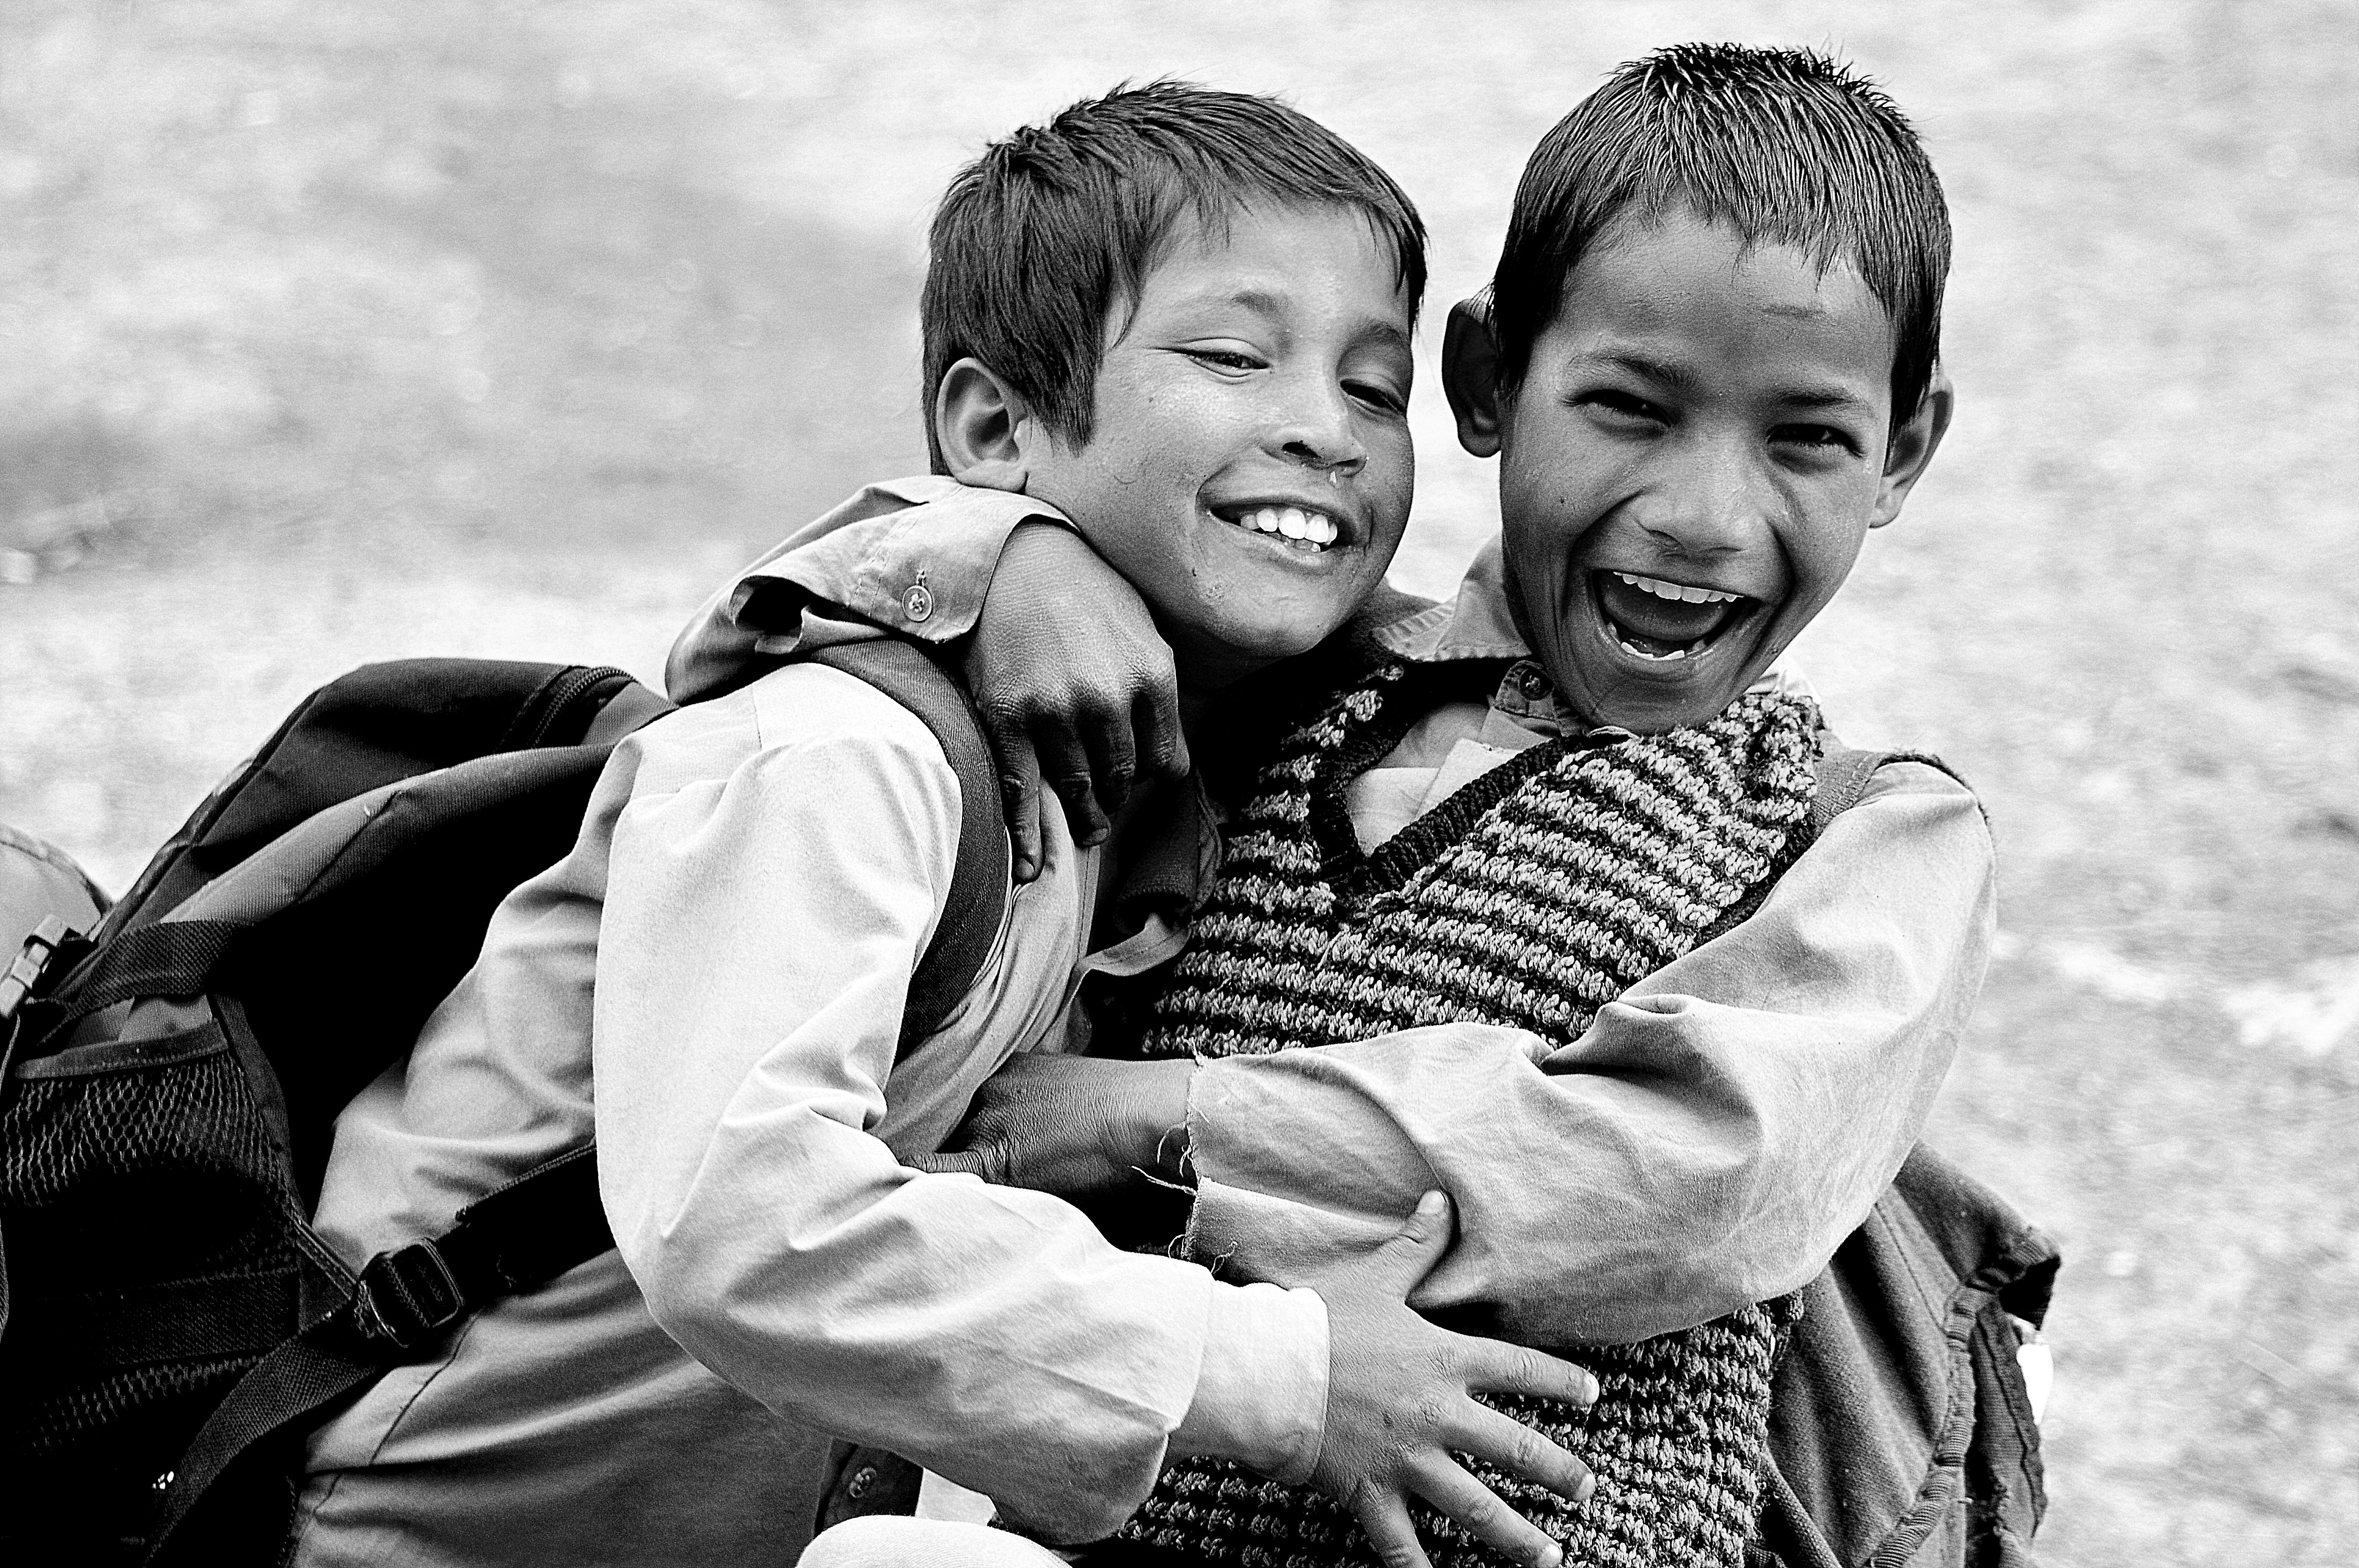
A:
(1476, 624)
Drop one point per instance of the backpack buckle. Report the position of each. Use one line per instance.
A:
(404, 1298)
(34, 960)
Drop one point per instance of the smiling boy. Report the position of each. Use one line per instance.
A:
(713, 982)
(1578, 802)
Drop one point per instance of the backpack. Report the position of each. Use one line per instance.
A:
(170, 1326)
(1902, 1432)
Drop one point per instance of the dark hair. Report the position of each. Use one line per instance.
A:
(1037, 240)
(1783, 145)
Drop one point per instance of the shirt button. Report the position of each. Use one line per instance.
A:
(917, 599)
(1533, 684)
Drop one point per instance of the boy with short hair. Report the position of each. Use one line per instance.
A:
(713, 981)
(1574, 801)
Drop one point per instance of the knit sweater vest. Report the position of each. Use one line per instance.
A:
(1531, 898)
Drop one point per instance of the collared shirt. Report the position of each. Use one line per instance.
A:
(1708, 1141)
(1458, 742)
(725, 954)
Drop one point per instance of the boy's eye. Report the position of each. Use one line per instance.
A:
(1231, 361)
(1623, 405)
(1815, 437)
(1383, 394)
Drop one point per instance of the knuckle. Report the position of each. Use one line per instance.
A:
(1004, 713)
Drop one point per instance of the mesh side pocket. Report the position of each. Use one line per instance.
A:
(126, 1196)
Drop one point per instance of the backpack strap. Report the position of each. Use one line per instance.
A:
(1842, 775)
(517, 1238)
(978, 892)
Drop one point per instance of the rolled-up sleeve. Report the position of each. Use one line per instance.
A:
(1709, 1140)
(761, 923)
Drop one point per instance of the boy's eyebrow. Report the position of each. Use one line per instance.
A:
(1272, 308)
(1828, 397)
(1660, 372)
(1677, 378)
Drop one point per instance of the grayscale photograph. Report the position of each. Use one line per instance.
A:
(1424, 784)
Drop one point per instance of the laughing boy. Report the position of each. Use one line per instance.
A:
(1569, 815)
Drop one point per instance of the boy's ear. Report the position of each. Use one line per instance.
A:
(1470, 375)
(1912, 447)
(978, 421)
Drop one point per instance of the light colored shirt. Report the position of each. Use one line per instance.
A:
(1708, 1141)
(726, 953)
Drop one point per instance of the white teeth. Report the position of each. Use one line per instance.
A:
(1655, 658)
(1312, 528)
(1662, 590)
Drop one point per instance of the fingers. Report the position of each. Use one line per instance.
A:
(1502, 1440)
(1384, 1520)
(1065, 763)
(1497, 1367)
(1155, 720)
(1410, 1254)
(1442, 1482)
(1112, 759)
(1019, 790)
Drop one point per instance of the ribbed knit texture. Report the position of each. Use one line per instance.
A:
(1534, 897)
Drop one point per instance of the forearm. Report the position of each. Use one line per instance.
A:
(1709, 1141)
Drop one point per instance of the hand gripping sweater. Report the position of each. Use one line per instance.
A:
(1535, 895)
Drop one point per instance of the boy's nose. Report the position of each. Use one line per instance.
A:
(1320, 432)
(1715, 501)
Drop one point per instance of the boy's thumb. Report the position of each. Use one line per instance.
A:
(1412, 1252)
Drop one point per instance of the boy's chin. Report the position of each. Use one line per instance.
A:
(1649, 704)
(1213, 658)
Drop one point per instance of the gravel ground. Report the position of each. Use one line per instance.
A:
(409, 326)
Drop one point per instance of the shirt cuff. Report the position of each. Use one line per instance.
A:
(1261, 1394)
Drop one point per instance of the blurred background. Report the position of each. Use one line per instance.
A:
(333, 334)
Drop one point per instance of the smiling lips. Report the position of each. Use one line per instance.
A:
(1306, 529)
(1660, 621)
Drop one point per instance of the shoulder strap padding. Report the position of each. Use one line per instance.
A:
(1843, 773)
(978, 892)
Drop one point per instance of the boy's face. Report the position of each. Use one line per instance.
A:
(1258, 390)
(1687, 472)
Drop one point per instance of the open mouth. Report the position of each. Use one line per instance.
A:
(1659, 620)
(1297, 528)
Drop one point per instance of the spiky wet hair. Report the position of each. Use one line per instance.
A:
(1039, 240)
(1785, 146)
